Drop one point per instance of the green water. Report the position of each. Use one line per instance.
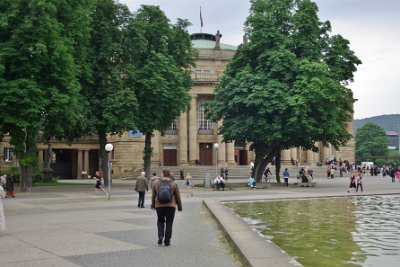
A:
(314, 232)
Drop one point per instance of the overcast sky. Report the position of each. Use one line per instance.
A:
(371, 26)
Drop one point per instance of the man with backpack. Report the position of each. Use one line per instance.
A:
(165, 197)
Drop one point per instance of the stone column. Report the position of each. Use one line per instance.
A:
(193, 131)
(158, 151)
(86, 161)
(79, 168)
(40, 159)
(230, 154)
(293, 154)
(327, 153)
(222, 148)
(310, 157)
(183, 141)
(285, 159)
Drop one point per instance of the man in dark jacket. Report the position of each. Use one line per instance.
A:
(165, 211)
(141, 187)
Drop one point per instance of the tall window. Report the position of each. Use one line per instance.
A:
(7, 155)
(173, 125)
(204, 123)
(173, 129)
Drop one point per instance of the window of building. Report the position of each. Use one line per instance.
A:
(8, 154)
(204, 123)
(173, 126)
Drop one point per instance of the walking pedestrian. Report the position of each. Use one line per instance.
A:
(141, 187)
(226, 174)
(398, 174)
(98, 180)
(10, 186)
(286, 177)
(392, 173)
(332, 172)
(152, 179)
(189, 185)
(359, 182)
(352, 183)
(165, 186)
(2, 216)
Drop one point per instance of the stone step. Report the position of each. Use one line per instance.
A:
(234, 172)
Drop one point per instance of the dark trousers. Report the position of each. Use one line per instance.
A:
(221, 185)
(286, 181)
(141, 199)
(359, 186)
(165, 219)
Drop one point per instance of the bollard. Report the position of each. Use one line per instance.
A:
(207, 180)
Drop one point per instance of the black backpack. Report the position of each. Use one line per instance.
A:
(164, 193)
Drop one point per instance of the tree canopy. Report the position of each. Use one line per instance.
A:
(112, 104)
(286, 86)
(39, 77)
(371, 140)
(163, 54)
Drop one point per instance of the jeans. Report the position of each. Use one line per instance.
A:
(359, 185)
(286, 181)
(165, 219)
(141, 199)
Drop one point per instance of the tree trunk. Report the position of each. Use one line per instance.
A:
(264, 155)
(147, 153)
(47, 171)
(47, 158)
(26, 178)
(278, 166)
(103, 156)
(28, 161)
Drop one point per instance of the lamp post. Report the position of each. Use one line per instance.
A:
(109, 148)
(216, 146)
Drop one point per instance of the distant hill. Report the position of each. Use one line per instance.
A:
(387, 122)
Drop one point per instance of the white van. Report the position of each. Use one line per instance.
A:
(367, 165)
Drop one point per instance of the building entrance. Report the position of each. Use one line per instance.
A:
(241, 155)
(206, 154)
(62, 163)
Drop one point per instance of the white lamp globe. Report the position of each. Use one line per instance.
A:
(109, 147)
(216, 145)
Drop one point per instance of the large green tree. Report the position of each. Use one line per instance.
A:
(163, 55)
(286, 86)
(112, 103)
(39, 81)
(371, 140)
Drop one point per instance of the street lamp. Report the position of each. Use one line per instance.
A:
(216, 146)
(109, 148)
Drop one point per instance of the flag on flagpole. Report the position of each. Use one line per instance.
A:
(201, 19)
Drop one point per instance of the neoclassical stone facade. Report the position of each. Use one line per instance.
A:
(189, 141)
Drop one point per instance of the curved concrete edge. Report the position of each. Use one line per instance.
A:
(253, 250)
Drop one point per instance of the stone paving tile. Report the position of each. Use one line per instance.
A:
(53, 262)
(67, 242)
(195, 241)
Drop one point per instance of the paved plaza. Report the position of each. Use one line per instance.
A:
(73, 226)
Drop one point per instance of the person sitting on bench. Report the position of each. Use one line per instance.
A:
(219, 182)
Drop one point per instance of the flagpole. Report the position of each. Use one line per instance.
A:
(201, 21)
